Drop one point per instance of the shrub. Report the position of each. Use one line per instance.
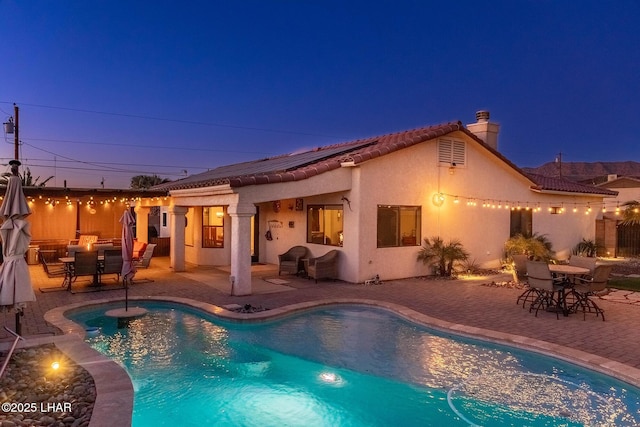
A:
(586, 247)
(435, 252)
(537, 246)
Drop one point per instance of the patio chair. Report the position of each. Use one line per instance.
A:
(291, 261)
(138, 249)
(112, 263)
(520, 276)
(72, 249)
(585, 288)
(584, 262)
(85, 264)
(324, 267)
(101, 247)
(539, 278)
(52, 269)
(146, 256)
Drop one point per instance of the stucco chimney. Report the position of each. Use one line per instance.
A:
(485, 130)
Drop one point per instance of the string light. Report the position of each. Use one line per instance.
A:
(530, 206)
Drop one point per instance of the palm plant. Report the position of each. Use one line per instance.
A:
(27, 179)
(631, 213)
(586, 247)
(536, 246)
(434, 251)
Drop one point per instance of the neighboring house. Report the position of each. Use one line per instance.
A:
(375, 200)
(613, 237)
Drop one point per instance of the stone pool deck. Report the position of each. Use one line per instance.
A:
(463, 305)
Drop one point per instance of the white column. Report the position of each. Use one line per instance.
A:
(241, 248)
(142, 223)
(177, 224)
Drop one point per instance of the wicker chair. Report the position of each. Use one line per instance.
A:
(291, 261)
(324, 267)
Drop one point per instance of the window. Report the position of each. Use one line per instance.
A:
(324, 225)
(213, 227)
(398, 226)
(451, 151)
(521, 222)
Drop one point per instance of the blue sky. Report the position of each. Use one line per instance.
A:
(109, 90)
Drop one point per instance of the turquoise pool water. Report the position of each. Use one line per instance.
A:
(344, 366)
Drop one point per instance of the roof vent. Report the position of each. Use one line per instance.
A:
(482, 116)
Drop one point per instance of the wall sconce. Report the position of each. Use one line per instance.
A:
(554, 210)
(452, 169)
(437, 199)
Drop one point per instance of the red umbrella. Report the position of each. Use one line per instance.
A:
(15, 282)
(128, 269)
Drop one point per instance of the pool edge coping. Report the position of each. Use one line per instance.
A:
(114, 394)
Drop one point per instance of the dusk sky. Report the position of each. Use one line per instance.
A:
(112, 89)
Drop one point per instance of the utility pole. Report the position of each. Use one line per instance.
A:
(16, 154)
(559, 162)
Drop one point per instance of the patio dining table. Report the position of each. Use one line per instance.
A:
(569, 272)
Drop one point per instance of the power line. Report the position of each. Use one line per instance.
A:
(181, 148)
(190, 122)
(172, 166)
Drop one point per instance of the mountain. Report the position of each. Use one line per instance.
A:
(587, 172)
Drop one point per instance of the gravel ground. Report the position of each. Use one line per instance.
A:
(34, 394)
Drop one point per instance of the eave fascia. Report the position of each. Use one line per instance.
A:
(569, 193)
(203, 191)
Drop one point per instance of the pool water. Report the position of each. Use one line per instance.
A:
(344, 366)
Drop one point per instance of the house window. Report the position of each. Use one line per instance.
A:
(521, 222)
(213, 227)
(324, 225)
(451, 151)
(398, 226)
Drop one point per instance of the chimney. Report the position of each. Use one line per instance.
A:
(483, 129)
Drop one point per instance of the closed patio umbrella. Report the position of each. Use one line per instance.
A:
(15, 282)
(128, 269)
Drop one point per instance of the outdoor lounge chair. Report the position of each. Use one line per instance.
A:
(146, 256)
(584, 289)
(138, 249)
(324, 267)
(291, 261)
(540, 278)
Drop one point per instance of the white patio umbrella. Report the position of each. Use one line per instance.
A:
(15, 282)
(128, 269)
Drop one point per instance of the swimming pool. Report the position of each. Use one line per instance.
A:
(343, 366)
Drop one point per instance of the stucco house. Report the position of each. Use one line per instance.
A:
(375, 200)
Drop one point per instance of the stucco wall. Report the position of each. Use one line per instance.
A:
(408, 177)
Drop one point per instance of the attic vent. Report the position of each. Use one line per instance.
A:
(451, 151)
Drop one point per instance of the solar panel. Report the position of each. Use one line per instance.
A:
(275, 164)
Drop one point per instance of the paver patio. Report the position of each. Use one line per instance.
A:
(461, 302)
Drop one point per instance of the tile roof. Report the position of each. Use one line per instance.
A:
(299, 166)
(547, 183)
